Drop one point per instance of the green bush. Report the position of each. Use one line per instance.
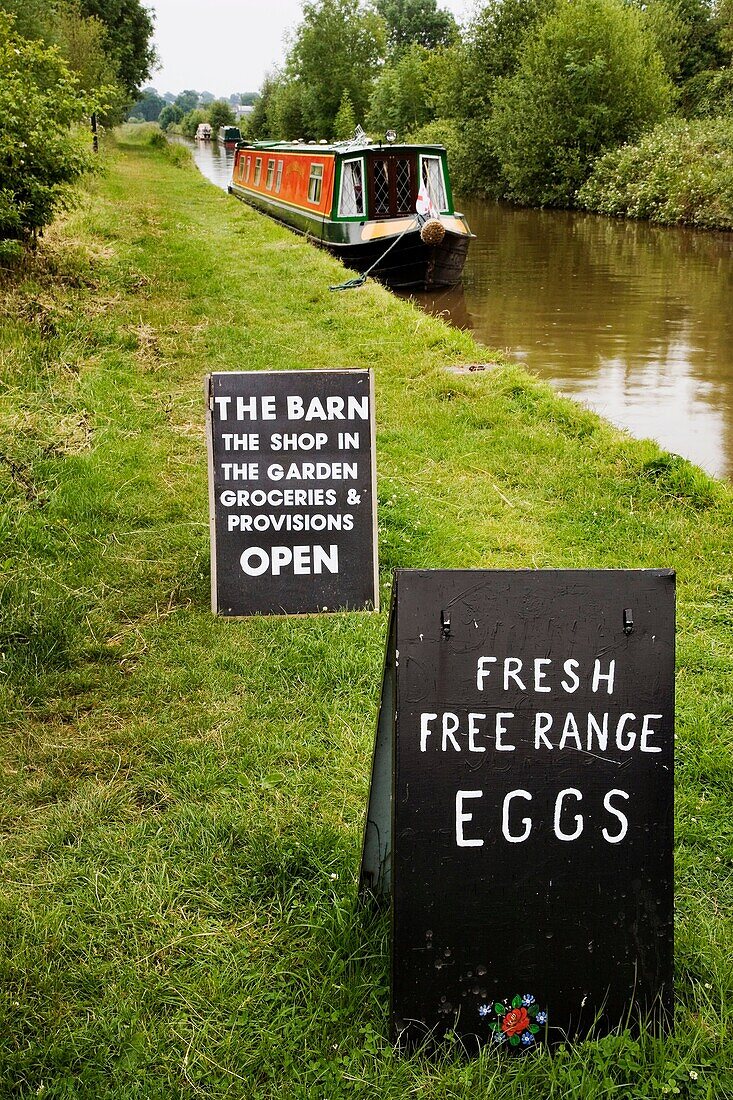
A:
(708, 94)
(679, 174)
(42, 151)
(474, 169)
(589, 78)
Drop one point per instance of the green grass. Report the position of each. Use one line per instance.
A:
(183, 798)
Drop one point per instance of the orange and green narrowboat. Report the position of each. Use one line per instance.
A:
(383, 209)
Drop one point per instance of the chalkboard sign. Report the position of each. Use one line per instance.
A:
(292, 491)
(521, 808)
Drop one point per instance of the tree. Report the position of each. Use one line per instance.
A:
(190, 122)
(345, 122)
(33, 18)
(285, 110)
(187, 100)
(129, 32)
(590, 78)
(149, 106)
(169, 116)
(337, 48)
(401, 100)
(419, 22)
(492, 48)
(41, 155)
(221, 114)
(258, 124)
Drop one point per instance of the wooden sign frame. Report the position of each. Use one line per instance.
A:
(525, 848)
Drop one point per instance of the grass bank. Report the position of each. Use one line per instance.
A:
(182, 798)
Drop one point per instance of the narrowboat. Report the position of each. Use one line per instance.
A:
(382, 209)
(229, 135)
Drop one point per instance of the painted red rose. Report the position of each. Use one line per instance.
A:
(516, 1020)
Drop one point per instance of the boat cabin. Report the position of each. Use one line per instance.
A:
(367, 204)
(229, 135)
(364, 184)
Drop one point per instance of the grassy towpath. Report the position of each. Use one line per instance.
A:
(182, 798)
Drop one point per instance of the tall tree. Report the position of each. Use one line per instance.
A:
(419, 22)
(492, 48)
(129, 27)
(337, 48)
(149, 106)
(221, 114)
(589, 79)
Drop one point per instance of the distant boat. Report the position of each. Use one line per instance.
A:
(229, 135)
(383, 209)
(203, 132)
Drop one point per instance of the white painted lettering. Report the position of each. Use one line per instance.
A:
(607, 676)
(559, 833)
(462, 817)
(515, 838)
(616, 837)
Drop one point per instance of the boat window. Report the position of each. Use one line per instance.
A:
(270, 174)
(279, 176)
(432, 177)
(403, 186)
(249, 165)
(315, 183)
(242, 163)
(381, 187)
(258, 170)
(351, 202)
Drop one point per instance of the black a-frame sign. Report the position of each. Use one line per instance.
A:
(520, 818)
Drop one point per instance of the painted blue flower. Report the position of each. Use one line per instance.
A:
(499, 1037)
(527, 1038)
(527, 999)
(484, 1010)
(541, 1017)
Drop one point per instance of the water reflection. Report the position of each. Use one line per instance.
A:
(633, 320)
(214, 160)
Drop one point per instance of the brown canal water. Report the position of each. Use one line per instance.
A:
(632, 320)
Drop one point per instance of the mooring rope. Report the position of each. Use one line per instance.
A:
(350, 284)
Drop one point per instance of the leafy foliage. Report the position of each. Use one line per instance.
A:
(420, 22)
(492, 48)
(588, 79)
(169, 116)
(149, 106)
(708, 94)
(679, 173)
(345, 122)
(401, 98)
(336, 49)
(129, 32)
(40, 154)
(221, 114)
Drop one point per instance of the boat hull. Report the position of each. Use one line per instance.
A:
(394, 254)
(408, 263)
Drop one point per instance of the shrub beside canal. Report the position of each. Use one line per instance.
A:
(680, 173)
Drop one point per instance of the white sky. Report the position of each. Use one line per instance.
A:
(226, 46)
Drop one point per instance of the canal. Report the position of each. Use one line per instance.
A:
(634, 321)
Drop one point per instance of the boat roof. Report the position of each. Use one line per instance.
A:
(337, 147)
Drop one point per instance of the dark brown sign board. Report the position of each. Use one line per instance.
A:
(292, 489)
(520, 818)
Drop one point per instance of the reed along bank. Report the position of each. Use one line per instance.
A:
(183, 797)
